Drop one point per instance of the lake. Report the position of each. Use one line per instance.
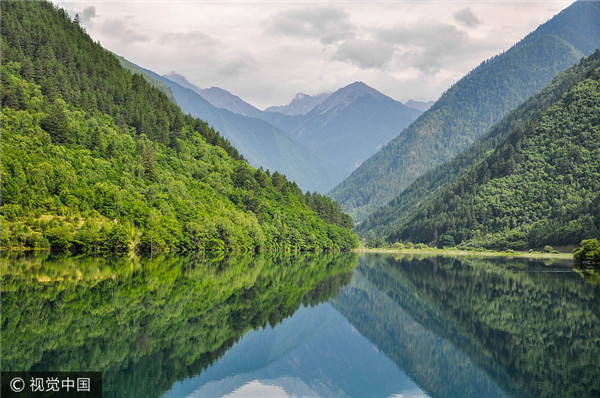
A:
(347, 325)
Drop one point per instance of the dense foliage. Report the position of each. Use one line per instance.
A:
(389, 217)
(148, 323)
(540, 186)
(470, 107)
(95, 159)
(588, 251)
(533, 331)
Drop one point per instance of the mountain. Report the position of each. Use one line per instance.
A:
(539, 186)
(217, 97)
(133, 68)
(181, 80)
(471, 106)
(96, 160)
(419, 105)
(300, 105)
(262, 144)
(224, 99)
(389, 217)
(341, 129)
(348, 126)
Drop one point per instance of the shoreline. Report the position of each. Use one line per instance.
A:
(458, 252)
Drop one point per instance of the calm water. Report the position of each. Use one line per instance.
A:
(307, 326)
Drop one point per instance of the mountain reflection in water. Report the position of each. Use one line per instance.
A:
(307, 325)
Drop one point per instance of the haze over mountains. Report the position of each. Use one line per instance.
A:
(261, 143)
(316, 141)
(350, 125)
(300, 105)
(471, 106)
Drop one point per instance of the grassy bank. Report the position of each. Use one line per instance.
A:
(462, 252)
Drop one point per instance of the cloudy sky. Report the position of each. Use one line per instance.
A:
(266, 52)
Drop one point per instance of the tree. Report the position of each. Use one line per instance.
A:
(56, 122)
(588, 251)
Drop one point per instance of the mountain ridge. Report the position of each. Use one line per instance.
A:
(301, 104)
(218, 97)
(262, 144)
(349, 126)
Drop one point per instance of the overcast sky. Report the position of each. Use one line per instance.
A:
(266, 52)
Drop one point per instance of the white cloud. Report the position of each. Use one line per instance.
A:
(87, 14)
(119, 29)
(466, 17)
(266, 52)
(192, 38)
(326, 24)
(364, 53)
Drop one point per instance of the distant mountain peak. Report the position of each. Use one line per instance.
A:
(419, 105)
(301, 104)
(181, 80)
(346, 95)
(216, 96)
(222, 98)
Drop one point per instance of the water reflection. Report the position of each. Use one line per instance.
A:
(308, 325)
(315, 353)
(148, 323)
(486, 327)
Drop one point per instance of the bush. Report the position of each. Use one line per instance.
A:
(60, 238)
(588, 251)
(446, 241)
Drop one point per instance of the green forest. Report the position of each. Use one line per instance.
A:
(97, 160)
(540, 186)
(386, 219)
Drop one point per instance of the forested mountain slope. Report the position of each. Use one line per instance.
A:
(540, 186)
(95, 159)
(470, 107)
(389, 217)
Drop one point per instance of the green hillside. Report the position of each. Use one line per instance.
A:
(133, 68)
(540, 186)
(470, 107)
(95, 159)
(389, 217)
